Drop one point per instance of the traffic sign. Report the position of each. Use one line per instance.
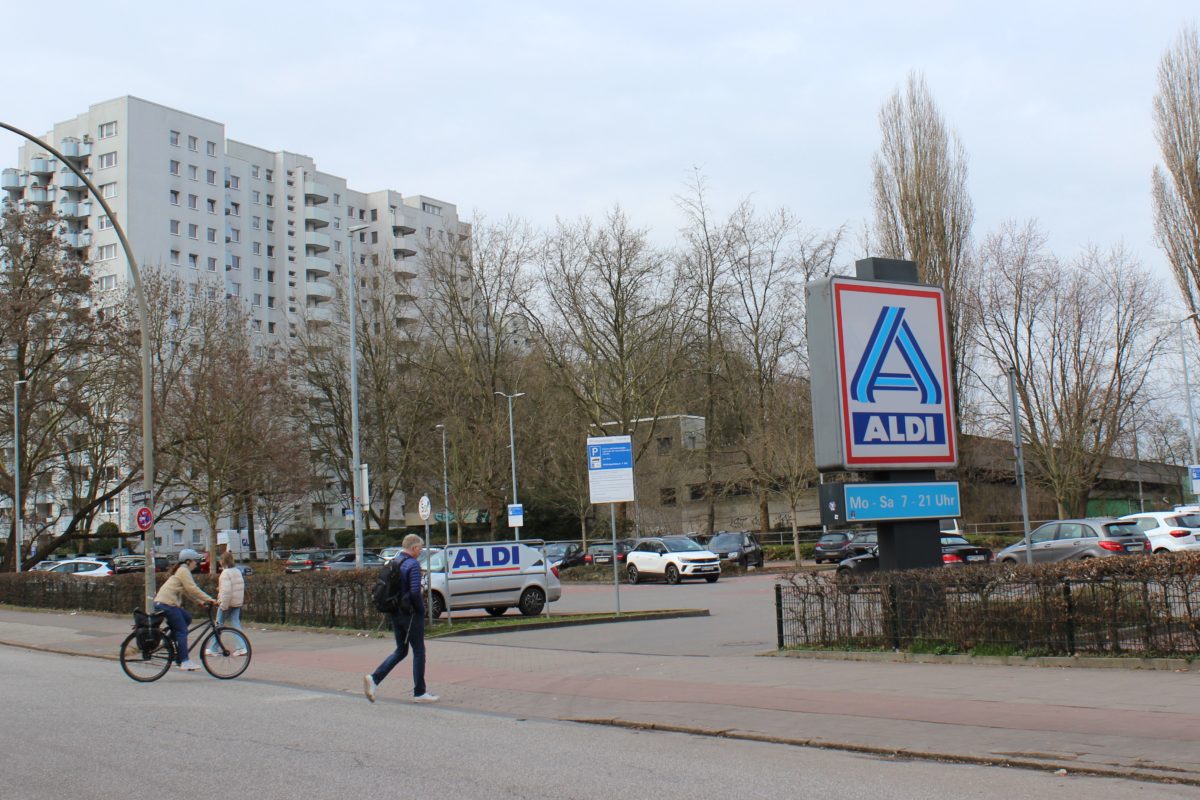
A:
(610, 469)
(516, 515)
(145, 518)
(881, 387)
(424, 508)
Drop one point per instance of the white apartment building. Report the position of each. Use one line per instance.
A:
(262, 225)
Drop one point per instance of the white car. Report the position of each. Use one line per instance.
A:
(672, 559)
(494, 576)
(1168, 531)
(84, 567)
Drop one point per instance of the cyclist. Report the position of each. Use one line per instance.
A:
(169, 600)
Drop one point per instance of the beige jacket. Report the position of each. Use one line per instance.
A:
(180, 584)
(231, 589)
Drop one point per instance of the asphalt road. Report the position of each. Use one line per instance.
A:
(77, 727)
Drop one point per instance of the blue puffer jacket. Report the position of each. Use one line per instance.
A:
(410, 579)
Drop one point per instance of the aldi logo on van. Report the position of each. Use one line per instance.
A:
(487, 559)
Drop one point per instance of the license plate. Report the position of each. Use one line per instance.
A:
(1133, 548)
(975, 558)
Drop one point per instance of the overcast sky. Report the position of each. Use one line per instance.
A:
(545, 109)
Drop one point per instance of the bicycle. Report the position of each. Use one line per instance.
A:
(148, 652)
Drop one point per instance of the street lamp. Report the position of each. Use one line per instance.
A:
(355, 456)
(512, 448)
(18, 531)
(445, 483)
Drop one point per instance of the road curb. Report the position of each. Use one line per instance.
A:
(1078, 662)
(58, 650)
(1069, 768)
(627, 616)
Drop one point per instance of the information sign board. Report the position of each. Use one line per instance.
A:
(610, 469)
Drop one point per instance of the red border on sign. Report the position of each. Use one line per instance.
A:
(947, 460)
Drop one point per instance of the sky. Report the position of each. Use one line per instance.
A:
(547, 109)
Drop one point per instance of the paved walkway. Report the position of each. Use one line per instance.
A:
(1132, 722)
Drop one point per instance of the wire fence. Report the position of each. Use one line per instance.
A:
(1146, 606)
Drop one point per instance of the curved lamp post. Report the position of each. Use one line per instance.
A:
(147, 383)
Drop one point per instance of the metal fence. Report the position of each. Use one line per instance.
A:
(1066, 616)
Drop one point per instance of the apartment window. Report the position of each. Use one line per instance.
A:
(212, 293)
(270, 201)
(174, 227)
(270, 175)
(212, 205)
(193, 172)
(173, 167)
(430, 208)
(108, 160)
(270, 327)
(696, 491)
(235, 262)
(193, 231)
(106, 282)
(254, 172)
(104, 223)
(235, 289)
(270, 225)
(196, 535)
(257, 272)
(107, 130)
(174, 197)
(212, 234)
(235, 209)
(374, 215)
(173, 138)
(211, 148)
(256, 299)
(256, 324)
(374, 237)
(212, 264)
(664, 444)
(362, 214)
(175, 257)
(337, 246)
(337, 223)
(235, 182)
(256, 223)
(256, 197)
(193, 202)
(235, 235)
(350, 212)
(270, 276)
(256, 248)
(666, 497)
(106, 252)
(211, 177)
(270, 251)
(193, 261)
(177, 536)
(271, 302)
(337, 199)
(193, 144)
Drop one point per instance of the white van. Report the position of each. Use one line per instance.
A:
(494, 576)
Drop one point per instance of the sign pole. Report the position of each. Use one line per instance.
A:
(612, 516)
(610, 480)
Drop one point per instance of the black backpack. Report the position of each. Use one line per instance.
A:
(389, 594)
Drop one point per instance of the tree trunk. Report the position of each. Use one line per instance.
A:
(795, 536)
(764, 509)
(250, 526)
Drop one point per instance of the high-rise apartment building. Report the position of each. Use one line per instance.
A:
(261, 225)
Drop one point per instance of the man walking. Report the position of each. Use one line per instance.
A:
(408, 624)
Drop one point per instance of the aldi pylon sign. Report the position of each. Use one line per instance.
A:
(881, 392)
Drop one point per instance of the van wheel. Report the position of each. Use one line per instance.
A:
(672, 574)
(438, 605)
(533, 600)
(711, 578)
(497, 611)
(631, 573)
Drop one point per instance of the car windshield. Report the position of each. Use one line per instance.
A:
(866, 537)
(681, 545)
(1188, 520)
(953, 541)
(600, 548)
(726, 540)
(300, 557)
(555, 550)
(433, 560)
(833, 538)
(1121, 529)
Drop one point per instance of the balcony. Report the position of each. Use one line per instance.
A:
(405, 297)
(316, 191)
(402, 229)
(43, 166)
(40, 195)
(316, 241)
(73, 209)
(69, 180)
(321, 290)
(77, 240)
(403, 250)
(316, 215)
(318, 265)
(402, 272)
(73, 148)
(13, 179)
(319, 316)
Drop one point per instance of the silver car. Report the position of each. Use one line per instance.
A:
(1077, 539)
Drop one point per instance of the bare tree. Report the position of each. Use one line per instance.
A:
(1081, 338)
(923, 212)
(787, 455)
(1176, 184)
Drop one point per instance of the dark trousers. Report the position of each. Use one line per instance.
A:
(178, 620)
(410, 632)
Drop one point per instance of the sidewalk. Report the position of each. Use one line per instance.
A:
(1138, 723)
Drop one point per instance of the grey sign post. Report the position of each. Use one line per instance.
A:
(882, 397)
(610, 480)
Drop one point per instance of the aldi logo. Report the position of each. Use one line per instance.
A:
(890, 396)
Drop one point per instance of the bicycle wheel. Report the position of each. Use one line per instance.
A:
(146, 664)
(225, 653)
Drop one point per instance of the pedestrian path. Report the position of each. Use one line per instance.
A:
(1132, 722)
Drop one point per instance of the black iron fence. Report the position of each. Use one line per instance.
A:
(1145, 606)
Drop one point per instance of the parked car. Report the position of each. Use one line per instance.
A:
(740, 546)
(603, 553)
(956, 551)
(837, 546)
(494, 576)
(1075, 539)
(1168, 531)
(564, 554)
(344, 561)
(84, 567)
(671, 558)
(305, 560)
(125, 564)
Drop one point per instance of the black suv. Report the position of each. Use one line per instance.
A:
(739, 546)
(834, 547)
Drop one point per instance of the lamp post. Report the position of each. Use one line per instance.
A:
(143, 307)
(512, 449)
(357, 489)
(18, 529)
(445, 483)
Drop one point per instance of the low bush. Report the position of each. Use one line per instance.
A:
(785, 552)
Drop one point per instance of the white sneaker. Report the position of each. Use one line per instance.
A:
(426, 698)
(189, 666)
(238, 653)
(369, 687)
